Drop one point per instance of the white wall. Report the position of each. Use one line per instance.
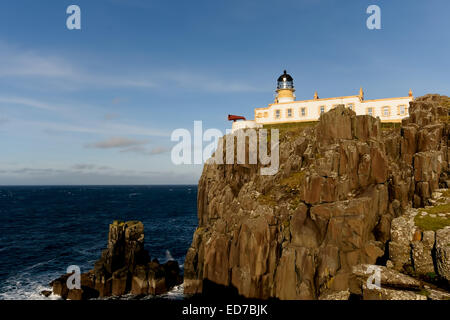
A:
(312, 107)
(244, 125)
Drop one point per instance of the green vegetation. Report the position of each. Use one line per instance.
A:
(294, 180)
(429, 223)
(291, 185)
(390, 125)
(442, 208)
(290, 126)
(295, 203)
(200, 230)
(267, 199)
(285, 128)
(445, 119)
(446, 193)
(424, 292)
(431, 275)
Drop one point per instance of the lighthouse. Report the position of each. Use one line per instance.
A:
(286, 109)
(285, 88)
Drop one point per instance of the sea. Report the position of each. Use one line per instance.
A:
(46, 229)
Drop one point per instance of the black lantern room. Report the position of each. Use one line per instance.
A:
(285, 81)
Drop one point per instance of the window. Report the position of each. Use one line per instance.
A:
(289, 113)
(277, 114)
(303, 112)
(351, 106)
(322, 109)
(259, 115)
(386, 111)
(370, 111)
(266, 114)
(402, 110)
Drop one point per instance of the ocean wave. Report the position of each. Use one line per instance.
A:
(55, 227)
(176, 293)
(22, 287)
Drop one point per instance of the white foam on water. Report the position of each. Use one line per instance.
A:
(26, 291)
(169, 256)
(21, 287)
(27, 285)
(176, 293)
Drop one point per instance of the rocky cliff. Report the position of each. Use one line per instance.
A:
(124, 268)
(306, 232)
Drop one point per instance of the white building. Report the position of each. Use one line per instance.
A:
(286, 109)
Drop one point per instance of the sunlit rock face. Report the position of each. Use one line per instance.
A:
(341, 182)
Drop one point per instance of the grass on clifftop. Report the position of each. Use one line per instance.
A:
(390, 125)
(443, 208)
(446, 194)
(426, 223)
(433, 223)
(289, 127)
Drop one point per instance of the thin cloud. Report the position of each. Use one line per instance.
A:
(87, 166)
(208, 83)
(135, 149)
(19, 63)
(146, 151)
(117, 142)
(159, 150)
(70, 110)
(29, 103)
(95, 128)
(35, 171)
(51, 176)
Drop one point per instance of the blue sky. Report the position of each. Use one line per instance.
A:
(98, 105)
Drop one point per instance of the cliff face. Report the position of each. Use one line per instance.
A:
(297, 234)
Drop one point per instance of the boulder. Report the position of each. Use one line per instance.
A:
(434, 294)
(402, 232)
(389, 278)
(59, 286)
(46, 293)
(391, 294)
(443, 253)
(422, 253)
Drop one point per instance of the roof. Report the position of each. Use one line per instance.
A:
(285, 77)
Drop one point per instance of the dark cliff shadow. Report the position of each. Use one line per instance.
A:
(213, 292)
